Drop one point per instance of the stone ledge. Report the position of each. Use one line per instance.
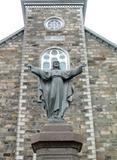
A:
(57, 136)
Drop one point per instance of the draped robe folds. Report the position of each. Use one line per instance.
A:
(55, 90)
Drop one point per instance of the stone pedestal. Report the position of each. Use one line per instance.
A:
(57, 141)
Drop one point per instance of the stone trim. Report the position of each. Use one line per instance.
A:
(55, 18)
(56, 6)
(89, 114)
(12, 36)
(22, 108)
(54, 3)
(34, 156)
(101, 39)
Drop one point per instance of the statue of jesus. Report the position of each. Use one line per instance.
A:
(55, 90)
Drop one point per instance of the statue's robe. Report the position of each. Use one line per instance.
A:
(55, 90)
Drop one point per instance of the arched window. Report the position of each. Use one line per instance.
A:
(55, 54)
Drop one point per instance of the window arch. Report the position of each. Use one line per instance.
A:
(55, 54)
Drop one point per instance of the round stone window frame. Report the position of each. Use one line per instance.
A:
(62, 22)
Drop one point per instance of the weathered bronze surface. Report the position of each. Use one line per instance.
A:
(55, 89)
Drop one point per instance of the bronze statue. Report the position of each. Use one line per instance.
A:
(55, 90)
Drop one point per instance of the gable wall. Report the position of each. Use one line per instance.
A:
(102, 62)
(103, 75)
(10, 63)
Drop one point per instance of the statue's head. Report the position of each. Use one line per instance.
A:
(56, 65)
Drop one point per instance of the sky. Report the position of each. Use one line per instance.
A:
(100, 17)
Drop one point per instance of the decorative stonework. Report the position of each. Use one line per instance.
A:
(21, 114)
(54, 4)
(52, 7)
(55, 54)
(89, 122)
(54, 24)
(55, 38)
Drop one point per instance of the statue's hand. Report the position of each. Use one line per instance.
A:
(29, 66)
(83, 65)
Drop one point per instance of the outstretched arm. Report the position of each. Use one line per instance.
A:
(74, 72)
(77, 71)
(39, 72)
(34, 70)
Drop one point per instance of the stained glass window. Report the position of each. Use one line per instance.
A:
(54, 23)
(55, 54)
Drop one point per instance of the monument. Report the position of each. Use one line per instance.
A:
(57, 139)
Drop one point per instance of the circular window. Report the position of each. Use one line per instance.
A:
(54, 24)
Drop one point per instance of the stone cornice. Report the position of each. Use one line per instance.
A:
(12, 36)
(54, 3)
(101, 39)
